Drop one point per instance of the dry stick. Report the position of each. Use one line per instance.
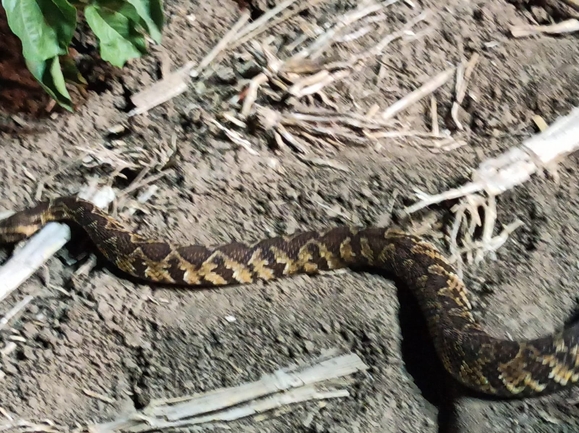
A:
(540, 123)
(463, 76)
(318, 46)
(388, 39)
(320, 162)
(351, 119)
(476, 250)
(458, 86)
(177, 82)
(291, 139)
(40, 248)
(567, 26)
(251, 95)
(253, 33)
(517, 165)
(322, 82)
(25, 426)
(434, 116)
(424, 90)
(229, 36)
(98, 396)
(283, 387)
(403, 134)
(316, 82)
(162, 91)
(467, 74)
(235, 137)
(261, 21)
(15, 310)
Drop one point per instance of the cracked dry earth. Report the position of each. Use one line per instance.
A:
(136, 342)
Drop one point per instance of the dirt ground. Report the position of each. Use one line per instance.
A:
(136, 342)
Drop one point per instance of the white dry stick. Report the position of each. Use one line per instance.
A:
(235, 137)
(434, 116)
(162, 91)
(177, 82)
(461, 92)
(463, 76)
(293, 141)
(260, 25)
(517, 165)
(567, 26)
(403, 134)
(286, 386)
(274, 402)
(322, 79)
(307, 81)
(388, 39)
(15, 311)
(41, 247)
(319, 162)
(223, 43)
(25, 426)
(317, 48)
(426, 89)
(467, 213)
(251, 95)
(458, 87)
(262, 20)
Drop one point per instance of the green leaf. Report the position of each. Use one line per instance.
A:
(122, 7)
(49, 75)
(45, 28)
(151, 12)
(148, 13)
(60, 15)
(26, 20)
(118, 37)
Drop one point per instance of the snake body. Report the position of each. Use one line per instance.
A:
(489, 365)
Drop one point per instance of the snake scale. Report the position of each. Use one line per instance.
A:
(499, 367)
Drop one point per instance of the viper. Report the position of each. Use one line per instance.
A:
(494, 366)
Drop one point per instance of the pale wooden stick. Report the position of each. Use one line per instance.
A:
(223, 43)
(567, 26)
(262, 20)
(177, 82)
(517, 165)
(424, 90)
(284, 387)
(15, 310)
(41, 247)
(434, 116)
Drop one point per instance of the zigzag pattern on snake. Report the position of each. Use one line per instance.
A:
(486, 364)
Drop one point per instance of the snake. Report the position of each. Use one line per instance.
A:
(486, 364)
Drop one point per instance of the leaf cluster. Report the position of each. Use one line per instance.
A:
(46, 29)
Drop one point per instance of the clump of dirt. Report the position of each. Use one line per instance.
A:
(135, 342)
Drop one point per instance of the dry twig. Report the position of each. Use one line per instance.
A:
(426, 89)
(497, 175)
(568, 26)
(284, 387)
(41, 247)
